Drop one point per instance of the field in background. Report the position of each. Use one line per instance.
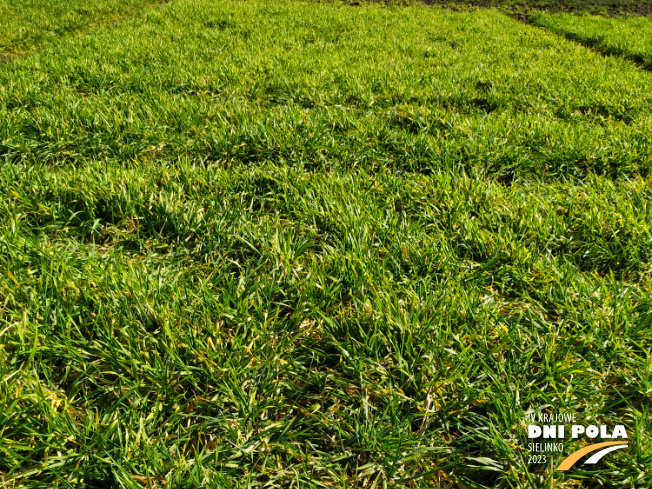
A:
(629, 37)
(521, 8)
(417, 90)
(26, 23)
(283, 244)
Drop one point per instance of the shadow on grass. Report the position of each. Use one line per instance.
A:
(522, 7)
(596, 46)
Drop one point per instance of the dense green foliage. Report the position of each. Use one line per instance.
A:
(630, 37)
(330, 87)
(25, 23)
(250, 244)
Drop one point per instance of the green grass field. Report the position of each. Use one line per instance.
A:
(629, 37)
(288, 244)
(522, 8)
(25, 23)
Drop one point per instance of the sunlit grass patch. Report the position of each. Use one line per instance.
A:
(327, 86)
(194, 323)
(628, 37)
(25, 24)
(270, 244)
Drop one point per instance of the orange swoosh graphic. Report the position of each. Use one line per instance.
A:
(568, 462)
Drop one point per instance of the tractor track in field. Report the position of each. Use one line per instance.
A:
(609, 8)
(521, 12)
(639, 61)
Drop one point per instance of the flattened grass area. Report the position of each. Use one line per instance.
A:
(252, 244)
(27, 23)
(629, 37)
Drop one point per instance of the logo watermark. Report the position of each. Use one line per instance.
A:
(548, 433)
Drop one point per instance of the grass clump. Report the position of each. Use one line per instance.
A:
(280, 244)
